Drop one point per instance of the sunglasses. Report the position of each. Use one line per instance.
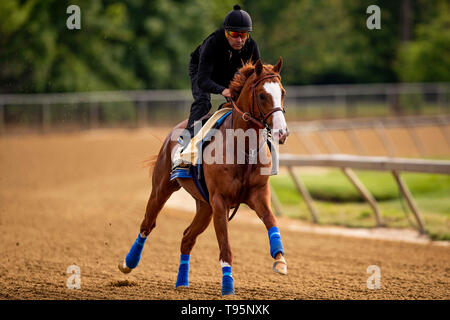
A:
(235, 34)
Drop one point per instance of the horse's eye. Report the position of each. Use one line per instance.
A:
(262, 96)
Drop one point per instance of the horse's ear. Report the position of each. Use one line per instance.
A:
(277, 67)
(258, 67)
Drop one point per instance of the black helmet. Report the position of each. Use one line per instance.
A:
(238, 20)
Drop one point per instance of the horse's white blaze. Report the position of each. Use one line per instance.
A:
(278, 120)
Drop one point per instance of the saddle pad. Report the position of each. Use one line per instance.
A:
(190, 153)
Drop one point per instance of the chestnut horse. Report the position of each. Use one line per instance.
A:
(258, 95)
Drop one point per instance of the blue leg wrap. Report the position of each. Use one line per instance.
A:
(183, 271)
(275, 242)
(227, 281)
(135, 253)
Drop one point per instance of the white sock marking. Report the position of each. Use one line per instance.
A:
(224, 264)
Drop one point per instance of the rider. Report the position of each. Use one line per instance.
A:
(214, 63)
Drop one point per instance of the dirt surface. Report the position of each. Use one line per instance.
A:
(79, 199)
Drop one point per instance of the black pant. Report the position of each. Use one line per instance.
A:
(202, 100)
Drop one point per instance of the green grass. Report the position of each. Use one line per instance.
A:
(339, 203)
(306, 111)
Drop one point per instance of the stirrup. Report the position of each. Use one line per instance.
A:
(178, 162)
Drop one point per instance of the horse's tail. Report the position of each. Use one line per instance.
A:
(150, 163)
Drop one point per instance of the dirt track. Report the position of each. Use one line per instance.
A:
(79, 199)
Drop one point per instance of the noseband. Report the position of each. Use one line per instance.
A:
(261, 122)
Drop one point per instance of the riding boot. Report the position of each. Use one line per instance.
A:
(186, 137)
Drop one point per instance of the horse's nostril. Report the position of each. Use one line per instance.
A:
(283, 132)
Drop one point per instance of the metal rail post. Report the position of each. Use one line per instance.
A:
(2, 119)
(365, 193)
(94, 115)
(410, 200)
(46, 117)
(305, 194)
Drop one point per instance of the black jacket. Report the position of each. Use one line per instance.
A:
(215, 62)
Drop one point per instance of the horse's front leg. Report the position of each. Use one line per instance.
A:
(259, 200)
(220, 216)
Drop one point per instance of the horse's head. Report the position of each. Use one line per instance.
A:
(264, 95)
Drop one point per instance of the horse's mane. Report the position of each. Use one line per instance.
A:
(241, 77)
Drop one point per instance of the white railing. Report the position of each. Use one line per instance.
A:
(299, 99)
(322, 128)
(347, 163)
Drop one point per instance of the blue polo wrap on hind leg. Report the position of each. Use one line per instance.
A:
(227, 281)
(275, 242)
(183, 271)
(135, 253)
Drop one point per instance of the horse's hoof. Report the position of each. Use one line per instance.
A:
(227, 291)
(280, 266)
(123, 267)
(182, 285)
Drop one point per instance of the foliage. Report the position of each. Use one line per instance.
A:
(427, 57)
(141, 44)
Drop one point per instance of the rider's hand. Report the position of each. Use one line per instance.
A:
(226, 93)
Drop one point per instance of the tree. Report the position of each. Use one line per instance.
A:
(426, 58)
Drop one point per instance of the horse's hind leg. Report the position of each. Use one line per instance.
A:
(162, 189)
(198, 225)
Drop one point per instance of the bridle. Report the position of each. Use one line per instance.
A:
(248, 116)
(261, 123)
